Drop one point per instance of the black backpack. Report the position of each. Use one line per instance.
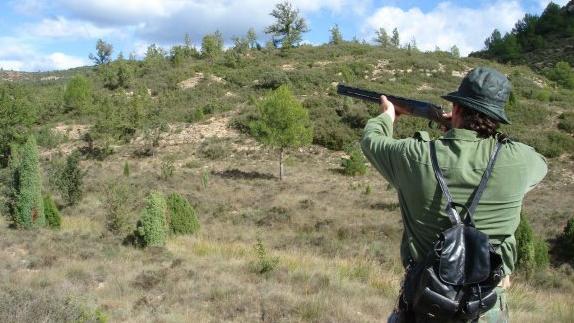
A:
(457, 278)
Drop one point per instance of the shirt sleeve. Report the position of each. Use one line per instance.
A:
(383, 152)
(537, 168)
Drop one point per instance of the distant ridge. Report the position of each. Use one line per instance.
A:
(537, 41)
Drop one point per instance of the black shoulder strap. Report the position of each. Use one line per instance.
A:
(482, 185)
(450, 210)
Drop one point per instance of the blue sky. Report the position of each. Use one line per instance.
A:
(41, 35)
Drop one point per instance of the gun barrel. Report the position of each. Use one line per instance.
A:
(422, 109)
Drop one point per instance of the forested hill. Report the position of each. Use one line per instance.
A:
(538, 41)
(124, 98)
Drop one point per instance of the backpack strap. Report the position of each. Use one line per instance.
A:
(449, 209)
(482, 185)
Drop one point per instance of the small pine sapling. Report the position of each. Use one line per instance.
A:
(126, 169)
(354, 164)
(53, 217)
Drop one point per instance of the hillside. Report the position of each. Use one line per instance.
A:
(329, 243)
(536, 41)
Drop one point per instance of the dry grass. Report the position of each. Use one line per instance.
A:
(336, 237)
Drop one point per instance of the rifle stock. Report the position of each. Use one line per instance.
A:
(421, 109)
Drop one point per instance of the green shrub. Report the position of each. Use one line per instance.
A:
(152, 227)
(543, 96)
(204, 179)
(532, 250)
(167, 168)
(118, 201)
(213, 148)
(78, 95)
(566, 122)
(562, 74)
(195, 116)
(552, 145)
(568, 237)
(331, 133)
(20, 304)
(126, 169)
(182, 216)
(28, 204)
(561, 140)
(49, 138)
(541, 256)
(274, 79)
(53, 217)
(18, 112)
(264, 263)
(71, 179)
(354, 164)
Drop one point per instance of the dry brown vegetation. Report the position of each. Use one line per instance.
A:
(336, 239)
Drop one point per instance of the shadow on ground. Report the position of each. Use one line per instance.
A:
(239, 174)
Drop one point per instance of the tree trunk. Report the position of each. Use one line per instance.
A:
(281, 164)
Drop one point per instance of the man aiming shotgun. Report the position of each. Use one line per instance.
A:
(460, 197)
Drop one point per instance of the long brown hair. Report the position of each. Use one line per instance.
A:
(484, 125)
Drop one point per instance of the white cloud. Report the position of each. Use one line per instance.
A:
(447, 24)
(61, 61)
(125, 12)
(38, 63)
(61, 27)
(168, 20)
(28, 7)
(544, 3)
(11, 65)
(16, 54)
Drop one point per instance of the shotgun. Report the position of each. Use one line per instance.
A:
(422, 109)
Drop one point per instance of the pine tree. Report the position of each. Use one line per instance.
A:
(395, 39)
(212, 45)
(284, 123)
(336, 37)
(289, 26)
(78, 94)
(382, 38)
(532, 251)
(28, 205)
(103, 53)
(71, 180)
(454, 51)
(252, 38)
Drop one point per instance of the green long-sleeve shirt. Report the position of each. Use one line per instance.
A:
(462, 156)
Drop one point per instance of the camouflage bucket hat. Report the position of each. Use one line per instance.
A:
(484, 90)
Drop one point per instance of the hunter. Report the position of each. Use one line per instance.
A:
(478, 107)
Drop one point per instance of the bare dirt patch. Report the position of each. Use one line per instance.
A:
(72, 131)
(192, 82)
(462, 73)
(424, 87)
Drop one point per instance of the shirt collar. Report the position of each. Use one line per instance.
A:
(461, 134)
